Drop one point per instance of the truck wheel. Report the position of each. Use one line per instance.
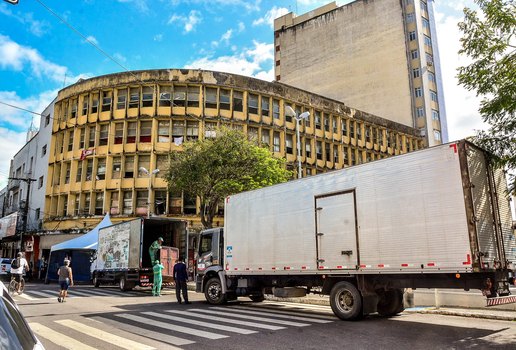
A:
(213, 292)
(96, 282)
(346, 301)
(391, 302)
(257, 298)
(122, 283)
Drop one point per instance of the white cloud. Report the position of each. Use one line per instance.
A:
(38, 28)
(269, 17)
(92, 39)
(119, 57)
(248, 62)
(241, 26)
(158, 37)
(189, 22)
(140, 4)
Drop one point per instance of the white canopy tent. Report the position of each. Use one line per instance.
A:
(86, 241)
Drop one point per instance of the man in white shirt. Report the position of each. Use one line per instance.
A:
(17, 271)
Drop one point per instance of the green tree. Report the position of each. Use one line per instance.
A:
(213, 168)
(489, 39)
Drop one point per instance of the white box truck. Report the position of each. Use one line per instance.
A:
(122, 255)
(434, 218)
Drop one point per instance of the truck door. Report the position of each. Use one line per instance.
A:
(336, 231)
(168, 258)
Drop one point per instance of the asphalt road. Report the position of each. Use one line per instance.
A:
(105, 318)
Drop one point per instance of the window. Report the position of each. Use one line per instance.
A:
(335, 154)
(193, 96)
(431, 77)
(351, 129)
(435, 114)
(375, 135)
(433, 95)
(326, 121)
(165, 96)
(427, 40)
(147, 96)
(179, 96)
(308, 149)
(40, 182)
(128, 203)
(327, 155)
(119, 133)
(412, 36)
(189, 204)
(47, 119)
(420, 112)
(288, 118)
(368, 133)
(224, 99)
(78, 176)
(99, 203)
(106, 101)
(87, 201)
(162, 164)
(252, 133)
(114, 206)
(77, 204)
(319, 150)
(175, 203)
(145, 131)
(411, 17)
(121, 99)
(85, 105)
(74, 108)
(131, 132)
(129, 167)
(101, 169)
(265, 106)
(276, 142)
(380, 137)
(429, 59)
(317, 118)
(211, 98)
(414, 54)
(37, 213)
(134, 97)
(415, 73)
(67, 173)
(334, 125)
(43, 150)
(82, 138)
(178, 128)
(344, 127)
(289, 143)
(359, 131)
(238, 101)
(117, 167)
(345, 159)
(210, 129)
(91, 136)
(164, 131)
(424, 6)
(266, 137)
(70, 140)
(437, 135)
(192, 130)
(426, 23)
(89, 169)
(418, 92)
(144, 162)
(275, 109)
(94, 103)
(252, 103)
(103, 134)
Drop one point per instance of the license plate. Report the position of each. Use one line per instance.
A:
(201, 266)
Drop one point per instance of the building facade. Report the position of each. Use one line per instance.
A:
(111, 133)
(379, 56)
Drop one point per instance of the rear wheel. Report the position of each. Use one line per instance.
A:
(12, 287)
(257, 298)
(122, 283)
(346, 301)
(213, 292)
(391, 302)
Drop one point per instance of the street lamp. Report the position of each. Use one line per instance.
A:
(289, 112)
(146, 172)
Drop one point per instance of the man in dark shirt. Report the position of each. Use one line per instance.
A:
(180, 277)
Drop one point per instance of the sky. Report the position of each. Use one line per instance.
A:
(39, 54)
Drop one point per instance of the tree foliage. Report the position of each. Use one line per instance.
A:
(213, 168)
(489, 39)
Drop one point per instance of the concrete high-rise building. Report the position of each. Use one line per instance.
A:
(379, 56)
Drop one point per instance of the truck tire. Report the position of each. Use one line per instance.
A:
(390, 303)
(257, 298)
(213, 292)
(96, 282)
(124, 286)
(346, 301)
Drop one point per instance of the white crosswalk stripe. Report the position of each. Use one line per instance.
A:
(58, 338)
(45, 293)
(201, 323)
(254, 318)
(290, 316)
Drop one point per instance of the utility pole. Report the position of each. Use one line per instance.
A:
(26, 209)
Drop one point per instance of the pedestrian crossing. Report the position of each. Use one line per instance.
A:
(174, 328)
(78, 292)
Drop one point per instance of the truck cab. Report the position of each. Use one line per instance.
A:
(210, 256)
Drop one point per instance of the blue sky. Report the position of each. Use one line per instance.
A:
(40, 55)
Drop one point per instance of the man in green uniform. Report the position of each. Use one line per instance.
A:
(153, 249)
(156, 287)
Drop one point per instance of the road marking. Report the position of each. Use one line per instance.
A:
(273, 313)
(58, 338)
(201, 323)
(171, 327)
(169, 339)
(283, 312)
(45, 294)
(26, 296)
(263, 319)
(104, 336)
(297, 306)
(225, 320)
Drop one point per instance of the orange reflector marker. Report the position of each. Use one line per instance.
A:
(457, 275)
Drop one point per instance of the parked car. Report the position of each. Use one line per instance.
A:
(5, 267)
(15, 332)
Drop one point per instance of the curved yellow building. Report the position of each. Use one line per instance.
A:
(111, 134)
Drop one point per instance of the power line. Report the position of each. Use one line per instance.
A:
(23, 109)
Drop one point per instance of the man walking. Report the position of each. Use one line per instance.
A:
(65, 280)
(181, 277)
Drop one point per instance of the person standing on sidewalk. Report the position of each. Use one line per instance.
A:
(65, 280)
(181, 277)
(158, 279)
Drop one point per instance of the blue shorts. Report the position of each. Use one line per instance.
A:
(64, 284)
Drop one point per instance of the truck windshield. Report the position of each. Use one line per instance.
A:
(205, 244)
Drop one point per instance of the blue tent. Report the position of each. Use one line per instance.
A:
(79, 250)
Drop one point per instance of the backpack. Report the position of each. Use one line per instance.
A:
(15, 263)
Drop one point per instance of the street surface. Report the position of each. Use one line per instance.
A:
(106, 318)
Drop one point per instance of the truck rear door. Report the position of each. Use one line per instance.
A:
(336, 231)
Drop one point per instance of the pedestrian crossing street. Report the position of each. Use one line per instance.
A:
(173, 328)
